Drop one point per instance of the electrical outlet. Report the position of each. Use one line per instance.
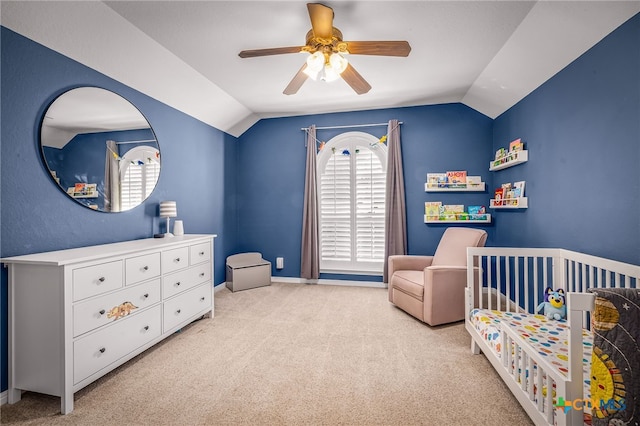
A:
(279, 262)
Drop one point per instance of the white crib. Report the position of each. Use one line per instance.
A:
(511, 282)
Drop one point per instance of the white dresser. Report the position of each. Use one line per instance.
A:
(75, 315)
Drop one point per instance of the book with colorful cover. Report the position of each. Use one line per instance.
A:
(457, 178)
(516, 145)
(518, 189)
(450, 211)
(498, 195)
(436, 180)
(432, 209)
(477, 212)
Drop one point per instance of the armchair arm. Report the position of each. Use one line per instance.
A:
(408, 263)
(444, 299)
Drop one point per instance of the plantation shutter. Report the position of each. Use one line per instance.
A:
(370, 198)
(139, 177)
(131, 187)
(335, 212)
(352, 208)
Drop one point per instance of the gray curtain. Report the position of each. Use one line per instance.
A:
(395, 220)
(111, 179)
(310, 253)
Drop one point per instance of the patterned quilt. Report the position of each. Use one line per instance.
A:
(548, 337)
(616, 357)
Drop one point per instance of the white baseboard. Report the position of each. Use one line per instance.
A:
(3, 398)
(294, 280)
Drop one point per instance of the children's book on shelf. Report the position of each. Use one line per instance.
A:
(474, 181)
(436, 180)
(516, 145)
(450, 211)
(498, 194)
(457, 178)
(518, 189)
(477, 212)
(432, 209)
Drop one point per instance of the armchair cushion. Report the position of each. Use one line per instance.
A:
(452, 249)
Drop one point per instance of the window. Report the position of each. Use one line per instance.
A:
(351, 194)
(139, 172)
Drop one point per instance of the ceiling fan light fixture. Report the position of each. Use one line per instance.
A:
(338, 62)
(329, 74)
(315, 63)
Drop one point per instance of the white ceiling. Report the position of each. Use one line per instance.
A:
(485, 54)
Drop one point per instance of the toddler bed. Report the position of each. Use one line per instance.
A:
(580, 370)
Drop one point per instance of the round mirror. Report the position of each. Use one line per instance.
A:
(100, 149)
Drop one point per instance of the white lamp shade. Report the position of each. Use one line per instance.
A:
(168, 209)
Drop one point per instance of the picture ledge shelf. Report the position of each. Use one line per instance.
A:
(511, 159)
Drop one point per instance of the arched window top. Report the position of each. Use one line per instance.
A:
(352, 141)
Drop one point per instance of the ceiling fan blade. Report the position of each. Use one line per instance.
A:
(268, 52)
(355, 80)
(321, 20)
(381, 48)
(296, 82)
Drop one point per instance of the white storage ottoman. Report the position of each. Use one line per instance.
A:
(247, 270)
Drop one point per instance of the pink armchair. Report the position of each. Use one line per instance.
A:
(431, 288)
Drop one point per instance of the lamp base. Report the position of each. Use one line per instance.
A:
(167, 235)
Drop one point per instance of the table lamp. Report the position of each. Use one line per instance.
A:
(168, 209)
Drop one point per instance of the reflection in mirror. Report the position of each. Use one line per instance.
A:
(100, 149)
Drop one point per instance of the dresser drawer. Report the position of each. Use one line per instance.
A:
(175, 259)
(182, 307)
(199, 253)
(96, 351)
(142, 268)
(111, 307)
(97, 279)
(180, 281)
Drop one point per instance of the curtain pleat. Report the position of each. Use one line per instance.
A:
(395, 214)
(111, 179)
(310, 251)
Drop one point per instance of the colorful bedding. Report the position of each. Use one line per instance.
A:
(548, 337)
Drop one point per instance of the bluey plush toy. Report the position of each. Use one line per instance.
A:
(553, 305)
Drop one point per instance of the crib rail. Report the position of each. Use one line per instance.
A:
(514, 279)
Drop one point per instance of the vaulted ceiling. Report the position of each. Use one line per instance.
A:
(485, 54)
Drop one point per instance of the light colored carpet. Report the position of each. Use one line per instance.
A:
(296, 355)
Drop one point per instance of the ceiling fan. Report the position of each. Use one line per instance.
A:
(326, 49)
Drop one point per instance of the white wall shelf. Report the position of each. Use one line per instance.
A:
(513, 158)
(433, 219)
(455, 187)
(510, 203)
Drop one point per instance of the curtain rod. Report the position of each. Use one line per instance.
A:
(142, 141)
(350, 126)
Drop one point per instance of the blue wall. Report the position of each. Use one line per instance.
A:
(271, 163)
(36, 216)
(582, 131)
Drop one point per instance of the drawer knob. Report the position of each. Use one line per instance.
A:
(102, 311)
(145, 295)
(102, 350)
(178, 284)
(202, 299)
(201, 253)
(178, 311)
(202, 274)
(146, 268)
(146, 327)
(177, 259)
(101, 279)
